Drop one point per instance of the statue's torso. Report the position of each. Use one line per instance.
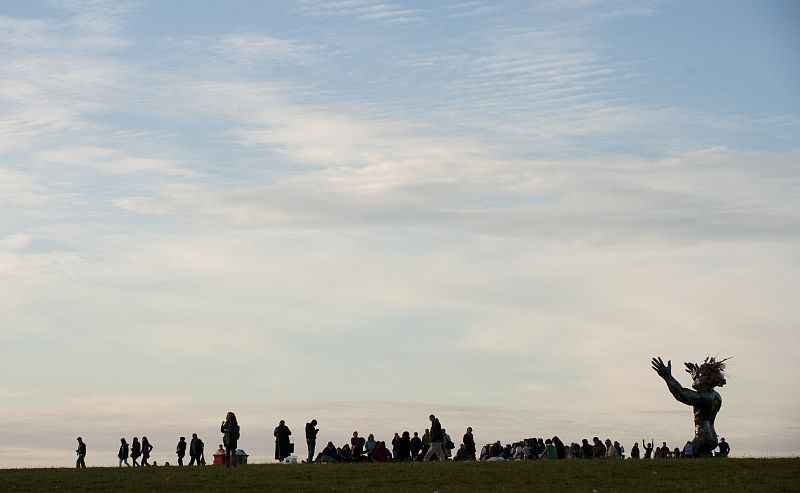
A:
(705, 412)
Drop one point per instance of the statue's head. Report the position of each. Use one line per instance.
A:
(709, 374)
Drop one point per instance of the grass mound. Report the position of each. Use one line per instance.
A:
(602, 476)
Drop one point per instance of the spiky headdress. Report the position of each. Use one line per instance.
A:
(711, 372)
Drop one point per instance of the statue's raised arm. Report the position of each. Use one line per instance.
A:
(705, 401)
(682, 394)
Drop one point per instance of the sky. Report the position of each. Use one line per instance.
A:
(365, 212)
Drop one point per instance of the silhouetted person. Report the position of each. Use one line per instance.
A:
(380, 453)
(196, 451)
(416, 446)
(230, 438)
(81, 451)
(136, 451)
(282, 444)
(724, 448)
(635, 450)
(587, 451)
(122, 455)
(403, 447)
(146, 449)
(180, 450)
(599, 449)
(561, 451)
(311, 439)
(437, 440)
(648, 449)
(469, 445)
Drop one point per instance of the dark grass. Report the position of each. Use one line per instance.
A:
(666, 476)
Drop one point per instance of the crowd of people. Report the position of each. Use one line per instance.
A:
(434, 444)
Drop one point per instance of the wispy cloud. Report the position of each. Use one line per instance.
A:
(365, 10)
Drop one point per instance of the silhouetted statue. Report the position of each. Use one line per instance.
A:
(705, 401)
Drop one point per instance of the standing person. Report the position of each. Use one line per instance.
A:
(282, 444)
(416, 446)
(648, 449)
(81, 451)
(136, 451)
(196, 451)
(230, 438)
(180, 450)
(403, 447)
(311, 439)
(122, 455)
(635, 450)
(437, 440)
(469, 445)
(146, 449)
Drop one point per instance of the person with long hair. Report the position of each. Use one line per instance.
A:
(230, 438)
(136, 451)
(122, 455)
(146, 449)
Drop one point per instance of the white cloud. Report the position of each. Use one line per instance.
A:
(14, 241)
(108, 160)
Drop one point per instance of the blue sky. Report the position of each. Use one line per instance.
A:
(367, 211)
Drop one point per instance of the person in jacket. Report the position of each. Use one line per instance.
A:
(311, 438)
(381, 453)
(561, 451)
(437, 440)
(611, 450)
(403, 447)
(136, 451)
(416, 446)
(81, 451)
(124, 450)
(180, 450)
(146, 449)
(469, 445)
(230, 439)
(282, 444)
(587, 451)
(196, 447)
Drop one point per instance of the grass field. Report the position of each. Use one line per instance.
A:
(666, 476)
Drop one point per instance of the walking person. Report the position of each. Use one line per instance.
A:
(122, 455)
(282, 444)
(146, 449)
(81, 451)
(230, 438)
(136, 451)
(180, 450)
(311, 439)
(437, 440)
(196, 451)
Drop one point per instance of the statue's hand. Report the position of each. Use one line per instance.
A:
(664, 371)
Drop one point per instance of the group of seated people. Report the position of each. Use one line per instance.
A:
(407, 448)
(404, 448)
